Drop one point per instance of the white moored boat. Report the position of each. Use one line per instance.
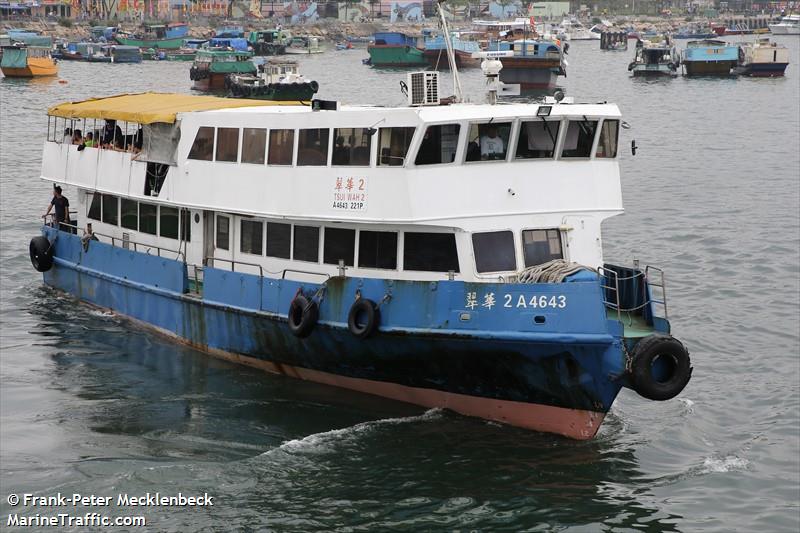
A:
(788, 25)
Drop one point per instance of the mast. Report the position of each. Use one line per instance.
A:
(451, 58)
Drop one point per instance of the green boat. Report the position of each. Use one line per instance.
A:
(395, 49)
(158, 36)
(211, 67)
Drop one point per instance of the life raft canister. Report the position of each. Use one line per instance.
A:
(41, 254)
(303, 316)
(660, 367)
(364, 317)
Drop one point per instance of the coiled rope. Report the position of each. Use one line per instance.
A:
(554, 271)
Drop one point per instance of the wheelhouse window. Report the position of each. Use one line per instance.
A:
(488, 142)
(110, 209)
(393, 145)
(377, 249)
(351, 147)
(306, 243)
(579, 138)
(223, 233)
(254, 145)
(148, 218)
(430, 252)
(168, 222)
(494, 251)
(203, 145)
(537, 139)
(252, 237)
(607, 145)
(541, 245)
(312, 147)
(438, 145)
(279, 240)
(94, 207)
(281, 147)
(129, 214)
(227, 144)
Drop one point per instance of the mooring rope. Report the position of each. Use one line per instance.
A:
(554, 271)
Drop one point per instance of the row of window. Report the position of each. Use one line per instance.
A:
(152, 219)
(428, 252)
(352, 146)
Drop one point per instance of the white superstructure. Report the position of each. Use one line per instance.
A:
(789, 25)
(289, 188)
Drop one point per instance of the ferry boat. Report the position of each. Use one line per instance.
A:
(762, 59)
(212, 66)
(420, 253)
(395, 49)
(709, 57)
(530, 63)
(277, 79)
(655, 58)
(169, 36)
(21, 61)
(788, 25)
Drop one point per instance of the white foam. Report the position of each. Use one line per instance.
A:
(724, 464)
(688, 405)
(318, 442)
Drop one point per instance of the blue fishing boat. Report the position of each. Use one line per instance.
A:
(709, 57)
(328, 261)
(435, 50)
(530, 63)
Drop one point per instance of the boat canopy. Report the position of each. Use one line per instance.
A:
(149, 108)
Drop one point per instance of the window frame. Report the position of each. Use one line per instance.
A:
(293, 159)
(328, 151)
(241, 235)
(416, 143)
(403, 250)
(241, 146)
(562, 237)
(600, 125)
(238, 144)
(377, 148)
(397, 250)
(556, 147)
(320, 239)
(333, 146)
(177, 236)
(355, 246)
(157, 219)
(511, 137)
(515, 246)
(213, 145)
(217, 216)
(563, 137)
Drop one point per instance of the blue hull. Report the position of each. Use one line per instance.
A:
(431, 340)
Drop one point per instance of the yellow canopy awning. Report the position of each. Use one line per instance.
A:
(147, 108)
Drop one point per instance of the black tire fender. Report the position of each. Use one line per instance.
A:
(314, 86)
(664, 355)
(41, 254)
(364, 318)
(303, 316)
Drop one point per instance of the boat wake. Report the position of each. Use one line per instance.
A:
(728, 463)
(326, 440)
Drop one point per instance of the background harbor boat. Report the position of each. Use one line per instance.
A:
(113, 406)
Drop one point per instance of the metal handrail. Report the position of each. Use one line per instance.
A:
(233, 264)
(283, 276)
(179, 254)
(610, 274)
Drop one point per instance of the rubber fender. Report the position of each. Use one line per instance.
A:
(314, 86)
(364, 318)
(41, 254)
(303, 316)
(660, 367)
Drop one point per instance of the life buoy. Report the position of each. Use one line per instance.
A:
(660, 367)
(303, 316)
(41, 254)
(364, 317)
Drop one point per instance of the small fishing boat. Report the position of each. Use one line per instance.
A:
(615, 41)
(100, 55)
(229, 30)
(22, 61)
(395, 49)
(435, 49)
(187, 52)
(530, 63)
(125, 54)
(277, 79)
(168, 36)
(655, 58)
(788, 25)
(709, 57)
(304, 45)
(212, 66)
(269, 42)
(695, 31)
(762, 59)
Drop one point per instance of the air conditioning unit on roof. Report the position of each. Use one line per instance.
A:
(423, 88)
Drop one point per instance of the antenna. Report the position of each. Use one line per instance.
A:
(451, 58)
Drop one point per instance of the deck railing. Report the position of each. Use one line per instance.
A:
(648, 279)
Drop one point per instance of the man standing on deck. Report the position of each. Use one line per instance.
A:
(61, 204)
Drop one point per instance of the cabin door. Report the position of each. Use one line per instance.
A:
(218, 239)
